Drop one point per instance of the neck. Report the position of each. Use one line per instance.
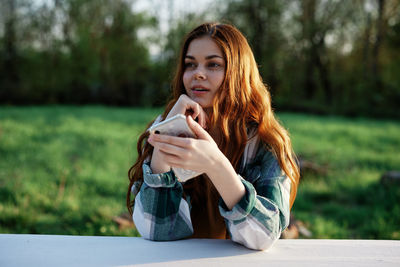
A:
(208, 111)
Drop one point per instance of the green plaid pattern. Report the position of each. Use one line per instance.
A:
(256, 221)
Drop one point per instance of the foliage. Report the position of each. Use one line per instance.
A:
(63, 170)
(325, 56)
(80, 52)
(164, 68)
(329, 57)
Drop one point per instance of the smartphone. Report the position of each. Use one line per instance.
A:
(176, 126)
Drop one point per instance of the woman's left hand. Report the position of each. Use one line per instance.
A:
(201, 154)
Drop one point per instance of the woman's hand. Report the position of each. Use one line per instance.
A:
(201, 154)
(186, 106)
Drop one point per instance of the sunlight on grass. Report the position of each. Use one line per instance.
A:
(63, 170)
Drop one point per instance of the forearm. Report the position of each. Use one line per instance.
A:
(227, 182)
(157, 164)
(257, 221)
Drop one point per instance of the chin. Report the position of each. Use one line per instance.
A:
(204, 104)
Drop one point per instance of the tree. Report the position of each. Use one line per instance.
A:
(110, 62)
(74, 51)
(9, 77)
(261, 22)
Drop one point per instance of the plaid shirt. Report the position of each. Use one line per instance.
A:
(256, 221)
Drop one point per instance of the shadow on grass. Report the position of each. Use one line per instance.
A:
(55, 115)
(364, 212)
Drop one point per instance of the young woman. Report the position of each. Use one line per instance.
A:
(250, 175)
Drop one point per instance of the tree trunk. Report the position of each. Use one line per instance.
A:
(365, 54)
(259, 25)
(324, 72)
(308, 23)
(376, 48)
(9, 90)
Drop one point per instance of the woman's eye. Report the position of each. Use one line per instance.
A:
(214, 65)
(189, 65)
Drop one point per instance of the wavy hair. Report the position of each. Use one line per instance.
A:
(243, 100)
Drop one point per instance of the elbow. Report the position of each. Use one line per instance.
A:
(144, 227)
(265, 243)
(254, 235)
(258, 241)
(141, 224)
(169, 231)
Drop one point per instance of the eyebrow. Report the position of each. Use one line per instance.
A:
(207, 57)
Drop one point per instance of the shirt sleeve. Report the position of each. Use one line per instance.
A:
(160, 212)
(259, 218)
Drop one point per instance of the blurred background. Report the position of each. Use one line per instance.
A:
(80, 79)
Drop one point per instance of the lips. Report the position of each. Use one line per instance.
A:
(199, 88)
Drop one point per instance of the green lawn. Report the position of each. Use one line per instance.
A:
(63, 170)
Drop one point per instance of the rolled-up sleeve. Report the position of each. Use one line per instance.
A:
(259, 218)
(160, 212)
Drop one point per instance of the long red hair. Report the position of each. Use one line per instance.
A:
(243, 100)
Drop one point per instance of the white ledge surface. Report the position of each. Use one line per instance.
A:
(58, 250)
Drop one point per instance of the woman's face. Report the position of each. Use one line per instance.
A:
(204, 70)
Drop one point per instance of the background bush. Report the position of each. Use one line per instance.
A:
(329, 57)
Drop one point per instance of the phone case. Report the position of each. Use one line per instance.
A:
(176, 126)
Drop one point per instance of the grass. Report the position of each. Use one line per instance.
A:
(63, 170)
(348, 200)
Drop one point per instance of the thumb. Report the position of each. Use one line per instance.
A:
(197, 129)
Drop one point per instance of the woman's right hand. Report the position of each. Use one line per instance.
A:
(186, 106)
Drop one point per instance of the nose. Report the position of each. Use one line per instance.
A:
(200, 74)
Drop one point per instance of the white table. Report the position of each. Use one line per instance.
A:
(57, 250)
